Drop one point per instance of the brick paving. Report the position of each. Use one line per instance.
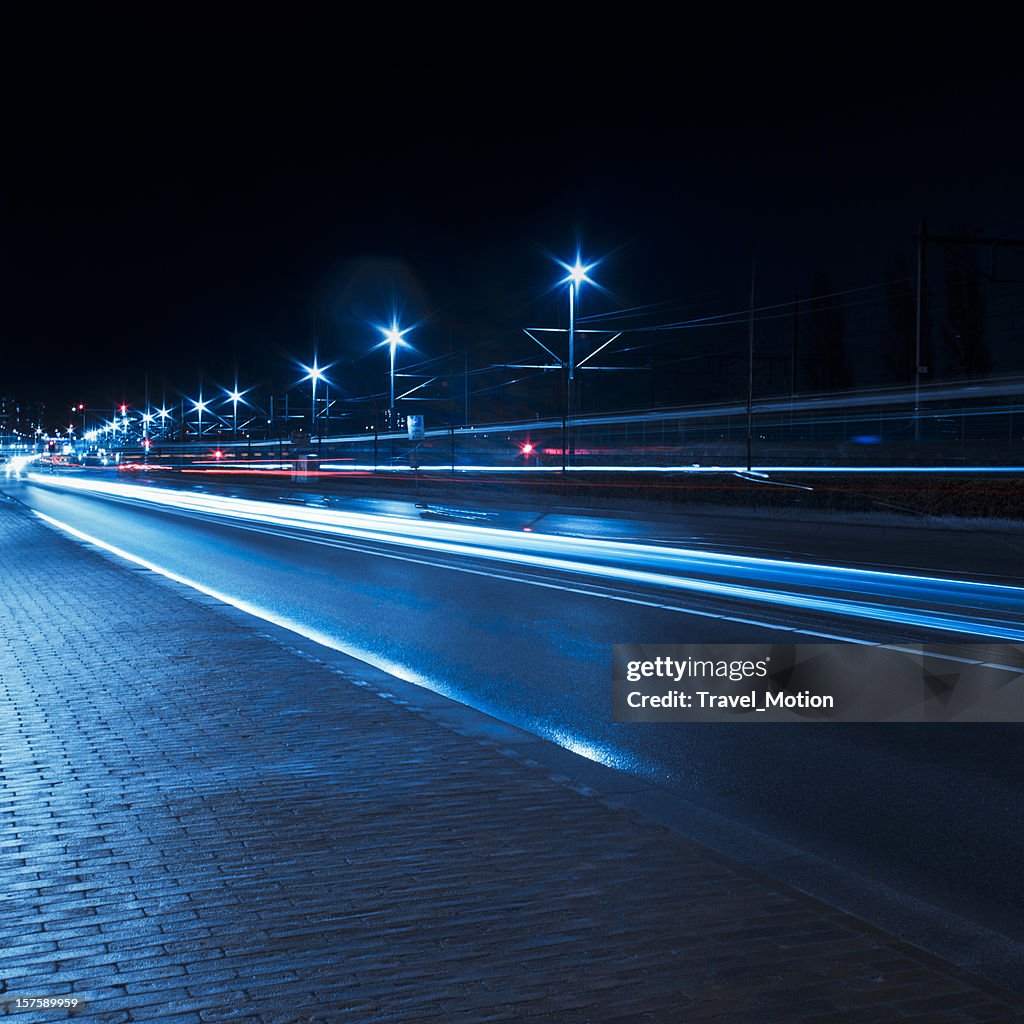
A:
(199, 824)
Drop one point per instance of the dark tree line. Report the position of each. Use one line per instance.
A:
(826, 338)
(953, 332)
(963, 327)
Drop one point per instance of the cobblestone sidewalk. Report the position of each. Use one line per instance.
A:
(198, 824)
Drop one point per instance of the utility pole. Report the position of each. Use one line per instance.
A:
(750, 372)
(570, 394)
(565, 416)
(792, 358)
(922, 242)
(923, 238)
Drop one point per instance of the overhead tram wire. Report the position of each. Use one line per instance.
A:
(762, 313)
(635, 310)
(742, 317)
(743, 313)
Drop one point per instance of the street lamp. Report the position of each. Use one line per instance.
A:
(236, 397)
(313, 374)
(200, 406)
(163, 414)
(577, 274)
(393, 337)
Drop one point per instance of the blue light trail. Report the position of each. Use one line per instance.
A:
(990, 610)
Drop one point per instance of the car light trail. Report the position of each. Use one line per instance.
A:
(990, 610)
(18, 464)
(577, 471)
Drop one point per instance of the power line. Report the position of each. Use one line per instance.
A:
(745, 313)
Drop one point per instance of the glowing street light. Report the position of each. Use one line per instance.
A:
(236, 397)
(577, 274)
(200, 407)
(393, 337)
(314, 373)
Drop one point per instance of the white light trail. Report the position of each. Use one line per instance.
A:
(934, 603)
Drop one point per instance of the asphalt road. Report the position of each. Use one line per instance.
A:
(936, 811)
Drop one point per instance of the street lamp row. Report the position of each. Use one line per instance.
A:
(393, 338)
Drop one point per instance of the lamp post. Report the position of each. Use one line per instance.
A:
(393, 337)
(236, 397)
(313, 374)
(577, 275)
(200, 406)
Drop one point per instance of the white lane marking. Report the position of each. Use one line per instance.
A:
(324, 639)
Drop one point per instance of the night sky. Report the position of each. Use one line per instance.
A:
(185, 194)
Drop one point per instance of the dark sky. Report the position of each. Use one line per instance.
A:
(183, 192)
